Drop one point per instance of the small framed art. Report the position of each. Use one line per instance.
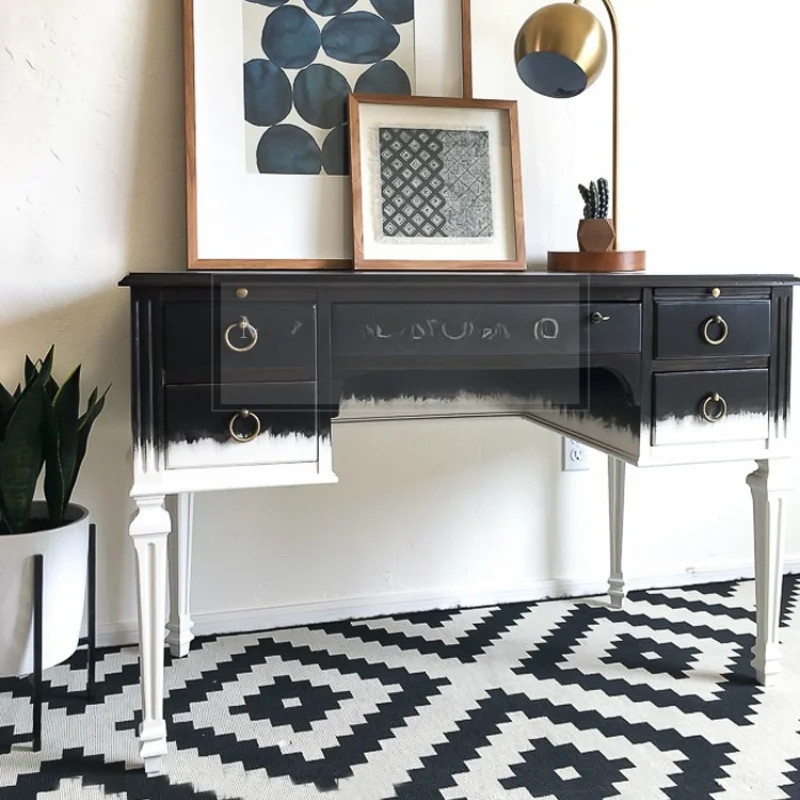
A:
(436, 184)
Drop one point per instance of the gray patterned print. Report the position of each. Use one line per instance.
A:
(435, 183)
(467, 175)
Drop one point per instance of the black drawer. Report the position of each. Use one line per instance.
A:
(712, 328)
(465, 329)
(276, 423)
(717, 405)
(245, 341)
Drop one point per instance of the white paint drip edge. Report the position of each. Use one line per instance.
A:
(320, 611)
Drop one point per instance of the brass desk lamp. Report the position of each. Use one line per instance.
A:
(560, 51)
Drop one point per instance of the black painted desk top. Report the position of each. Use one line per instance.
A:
(201, 278)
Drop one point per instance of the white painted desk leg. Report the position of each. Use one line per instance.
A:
(771, 485)
(149, 529)
(179, 627)
(616, 519)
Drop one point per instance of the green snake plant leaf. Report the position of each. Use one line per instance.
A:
(31, 373)
(6, 400)
(66, 406)
(61, 446)
(50, 384)
(90, 404)
(40, 369)
(55, 487)
(21, 457)
(52, 388)
(85, 424)
(46, 368)
(6, 407)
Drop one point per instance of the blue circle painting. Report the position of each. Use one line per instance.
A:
(288, 150)
(359, 37)
(329, 8)
(267, 93)
(320, 96)
(271, 3)
(291, 38)
(336, 152)
(385, 77)
(395, 11)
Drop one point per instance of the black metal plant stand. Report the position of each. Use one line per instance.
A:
(89, 640)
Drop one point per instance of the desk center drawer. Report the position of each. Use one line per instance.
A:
(465, 329)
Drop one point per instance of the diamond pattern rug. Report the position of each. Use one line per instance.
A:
(559, 700)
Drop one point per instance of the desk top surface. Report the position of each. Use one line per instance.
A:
(351, 278)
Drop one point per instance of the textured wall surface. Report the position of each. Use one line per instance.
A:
(91, 159)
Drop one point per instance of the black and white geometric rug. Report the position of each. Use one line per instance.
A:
(557, 700)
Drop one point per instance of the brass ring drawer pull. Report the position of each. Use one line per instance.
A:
(721, 413)
(716, 320)
(245, 327)
(597, 318)
(248, 415)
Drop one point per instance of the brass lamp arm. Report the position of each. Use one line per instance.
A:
(612, 15)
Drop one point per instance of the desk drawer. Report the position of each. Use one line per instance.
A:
(712, 328)
(712, 406)
(465, 329)
(276, 424)
(206, 342)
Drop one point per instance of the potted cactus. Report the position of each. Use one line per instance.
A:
(42, 429)
(595, 231)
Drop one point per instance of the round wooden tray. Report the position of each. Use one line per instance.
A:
(609, 261)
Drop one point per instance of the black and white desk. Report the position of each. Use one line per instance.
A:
(239, 377)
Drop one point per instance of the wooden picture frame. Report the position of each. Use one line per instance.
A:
(409, 217)
(222, 216)
(466, 50)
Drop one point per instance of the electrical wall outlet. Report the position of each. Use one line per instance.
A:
(575, 455)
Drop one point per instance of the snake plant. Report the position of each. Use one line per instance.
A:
(41, 427)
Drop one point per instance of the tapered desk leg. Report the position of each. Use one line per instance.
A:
(149, 528)
(179, 627)
(616, 518)
(771, 485)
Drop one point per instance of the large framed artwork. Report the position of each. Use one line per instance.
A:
(436, 183)
(267, 136)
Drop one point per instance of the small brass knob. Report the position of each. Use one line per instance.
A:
(242, 293)
(715, 293)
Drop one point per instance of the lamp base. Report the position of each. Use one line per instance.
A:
(609, 261)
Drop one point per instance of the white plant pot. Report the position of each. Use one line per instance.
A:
(66, 553)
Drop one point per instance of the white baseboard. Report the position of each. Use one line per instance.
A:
(318, 611)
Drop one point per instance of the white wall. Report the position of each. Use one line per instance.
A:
(92, 187)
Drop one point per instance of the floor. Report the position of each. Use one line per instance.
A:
(558, 699)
